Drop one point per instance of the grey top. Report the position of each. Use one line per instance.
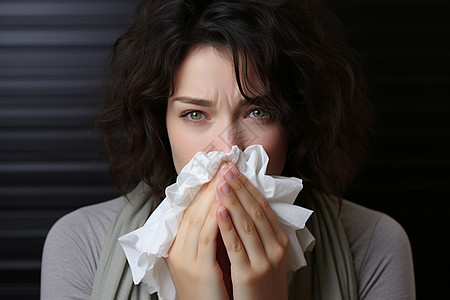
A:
(380, 248)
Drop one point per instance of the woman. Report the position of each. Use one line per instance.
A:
(194, 76)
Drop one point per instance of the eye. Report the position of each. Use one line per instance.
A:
(258, 113)
(261, 114)
(195, 115)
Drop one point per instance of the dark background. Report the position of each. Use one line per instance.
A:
(52, 56)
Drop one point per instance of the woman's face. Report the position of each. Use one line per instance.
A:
(208, 113)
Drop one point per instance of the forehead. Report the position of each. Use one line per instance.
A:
(205, 58)
(206, 63)
(204, 73)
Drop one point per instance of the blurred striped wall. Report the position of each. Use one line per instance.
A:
(52, 57)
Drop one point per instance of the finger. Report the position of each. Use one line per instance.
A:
(233, 244)
(263, 203)
(253, 209)
(196, 215)
(178, 242)
(207, 247)
(243, 224)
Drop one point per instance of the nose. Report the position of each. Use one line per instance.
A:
(230, 134)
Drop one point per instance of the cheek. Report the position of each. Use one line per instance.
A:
(184, 143)
(182, 148)
(275, 143)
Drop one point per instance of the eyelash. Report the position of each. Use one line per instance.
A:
(185, 116)
(263, 119)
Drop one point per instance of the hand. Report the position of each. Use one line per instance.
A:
(192, 258)
(255, 242)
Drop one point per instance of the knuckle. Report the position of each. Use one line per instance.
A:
(279, 254)
(229, 227)
(204, 239)
(236, 247)
(263, 202)
(264, 268)
(248, 226)
(258, 212)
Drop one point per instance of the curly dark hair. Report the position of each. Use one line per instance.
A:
(299, 53)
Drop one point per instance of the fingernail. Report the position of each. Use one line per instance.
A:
(221, 167)
(231, 173)
(224, 213)
(226, 189)
(235, 171)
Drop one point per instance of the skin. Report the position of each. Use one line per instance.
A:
(247, 260)
(205, 83)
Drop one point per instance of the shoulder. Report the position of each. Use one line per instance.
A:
(381, 252)
(72, 248)
(362, 224)
(93, 219)
(87, 224)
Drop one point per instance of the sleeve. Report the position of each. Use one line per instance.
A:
(387, 271)
(67, 270)
(72, 249)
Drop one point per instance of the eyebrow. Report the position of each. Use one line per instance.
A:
(194, 101)
(205, 102)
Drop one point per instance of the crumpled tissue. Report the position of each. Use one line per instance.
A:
(145, 246)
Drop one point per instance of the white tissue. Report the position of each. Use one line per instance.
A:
(145, 246)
